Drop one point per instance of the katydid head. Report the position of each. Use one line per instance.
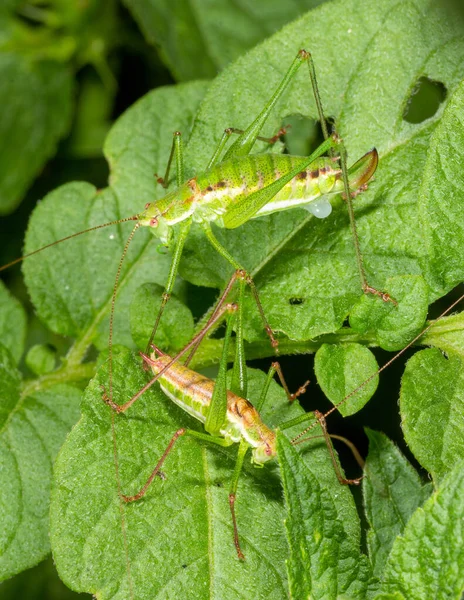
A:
(264, 452)
(175, 207)
(153, 218)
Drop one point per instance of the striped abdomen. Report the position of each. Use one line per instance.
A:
(232, 181)
(193, 392)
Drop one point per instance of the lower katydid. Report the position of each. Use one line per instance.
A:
(227, 417)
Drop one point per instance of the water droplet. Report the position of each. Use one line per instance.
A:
(320, 208)
(111, 236)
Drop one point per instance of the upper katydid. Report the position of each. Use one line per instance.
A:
(242, 187)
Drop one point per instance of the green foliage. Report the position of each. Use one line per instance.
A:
(33, 424)
(179, 537)
(12, 323)
(427, 560)
(431, 404)
(392, 491)
(322, 529)
(198, 39)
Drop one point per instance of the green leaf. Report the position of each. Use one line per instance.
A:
(36, 101)
(33, 427)
(447, 334)
(431, 400)
(180, 534)
(427, 561)
(342, 368)
(392, 491)
(176, 327)
(12, 323)
(197, 39)
(325, 559)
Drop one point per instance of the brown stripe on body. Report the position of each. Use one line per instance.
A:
(186, 380)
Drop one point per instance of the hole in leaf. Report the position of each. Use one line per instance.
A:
(304, 135)
(424, 101)
(296, 301)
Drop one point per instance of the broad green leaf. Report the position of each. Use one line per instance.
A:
(12, 323)
(180, 534)
(36, 101)
(341, 369)
(71, 285)
(197, 39)
(395, 326)
(431, 405)
(392, 491)
(325, 559)
(33, 427)
(427, 561)
(176, 327)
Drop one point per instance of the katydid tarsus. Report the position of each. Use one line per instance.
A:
(243, 187)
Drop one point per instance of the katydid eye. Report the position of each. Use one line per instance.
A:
(154, 222)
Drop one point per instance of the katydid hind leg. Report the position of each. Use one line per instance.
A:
(243, 145)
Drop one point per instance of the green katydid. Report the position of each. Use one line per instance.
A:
(243, 186)
(227, 417)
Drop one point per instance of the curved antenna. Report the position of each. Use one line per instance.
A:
(68, 237)
(382, 368)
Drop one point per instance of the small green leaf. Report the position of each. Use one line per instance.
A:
(12, 323)
(341, 369)
(36, 101)
(176, 327)
(447, 334)
(32, 430)
(427, 561)
(395, 326)
(392, 491)
(325, 559)
(41, 359)
(431, 400)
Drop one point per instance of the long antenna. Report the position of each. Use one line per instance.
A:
(68, 237)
